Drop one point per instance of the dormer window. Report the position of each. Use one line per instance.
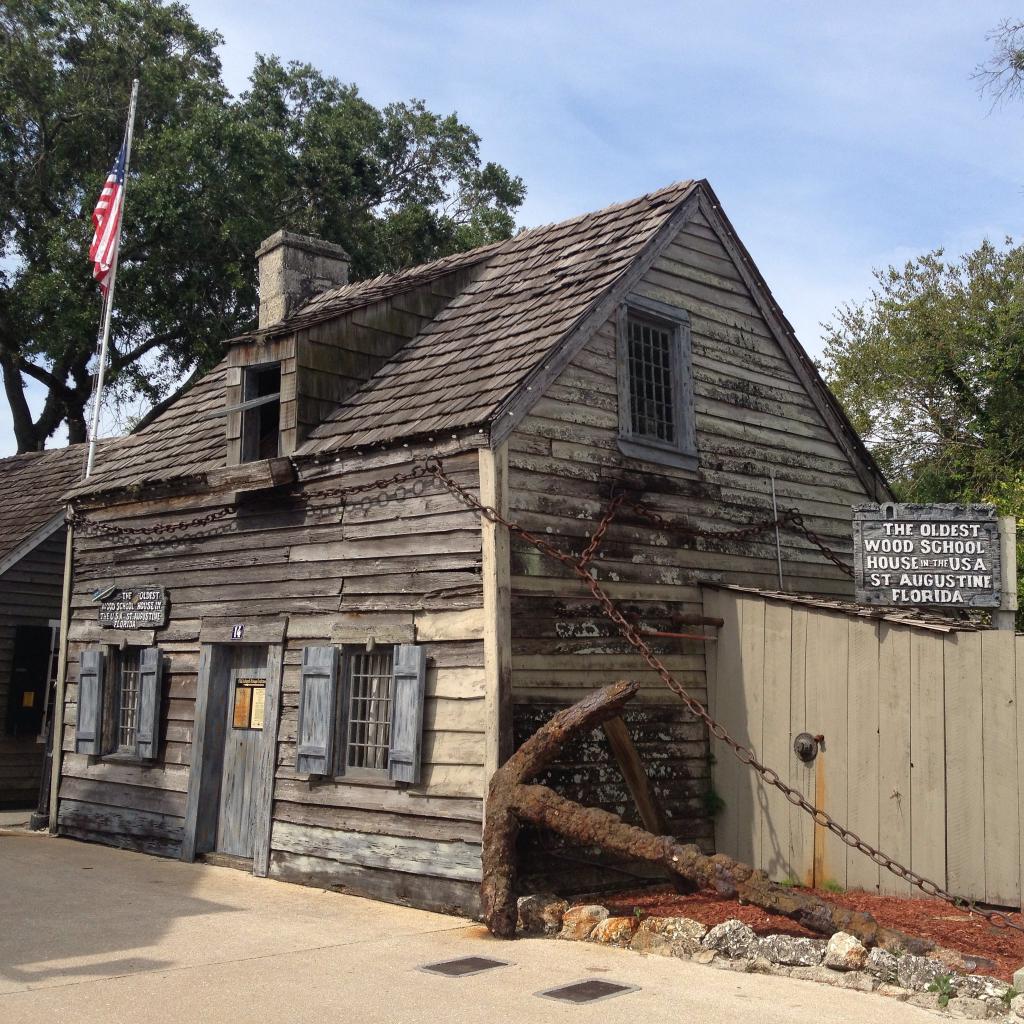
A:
(656, 418)
(261, 412)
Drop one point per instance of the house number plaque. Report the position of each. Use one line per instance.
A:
(134, 608)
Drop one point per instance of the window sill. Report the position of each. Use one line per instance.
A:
(664, 456)
(144, 762)
(354, 780)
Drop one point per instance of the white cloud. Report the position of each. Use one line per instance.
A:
(839, 137)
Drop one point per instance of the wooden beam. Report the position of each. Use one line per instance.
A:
(252, 476)
(637, 782)
(1006, 616)
(497, 622)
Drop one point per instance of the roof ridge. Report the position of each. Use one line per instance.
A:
(393, 275)
(309, 312)
(681, 185)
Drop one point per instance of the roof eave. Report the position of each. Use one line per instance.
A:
(31, 542)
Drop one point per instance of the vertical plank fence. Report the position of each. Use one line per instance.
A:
(920, 757)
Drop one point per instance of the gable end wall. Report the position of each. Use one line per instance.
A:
(753, 415)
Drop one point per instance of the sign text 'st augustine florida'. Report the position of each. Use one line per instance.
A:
(945, 555)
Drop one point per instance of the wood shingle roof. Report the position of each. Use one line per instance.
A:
(31, 488)
(474, 355)
(531, 291)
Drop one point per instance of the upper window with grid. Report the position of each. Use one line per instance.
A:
(652, 411)
(656, 421)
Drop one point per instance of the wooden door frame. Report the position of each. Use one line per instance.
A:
(202, 802)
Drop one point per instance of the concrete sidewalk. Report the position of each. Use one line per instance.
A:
(94, 934)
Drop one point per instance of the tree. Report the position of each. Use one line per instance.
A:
(1002, 75)
(212, 175)
(930, 370)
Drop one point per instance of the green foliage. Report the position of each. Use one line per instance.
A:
(943, 985)
(1008, 997)
(831, 885)
(212, 176)
(790, 882)
(639, 913)
(713, 803)
(930, 370)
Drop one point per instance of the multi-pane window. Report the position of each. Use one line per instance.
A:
(370, 696)
(128, 700)
(361, 712)
(652, 409)
(656, 420)
(119, 692)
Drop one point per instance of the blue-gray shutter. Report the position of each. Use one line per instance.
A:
(89, 727)
(410, 679)
(150, 675)
(317, 703)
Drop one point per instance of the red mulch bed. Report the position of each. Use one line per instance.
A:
(925, 918)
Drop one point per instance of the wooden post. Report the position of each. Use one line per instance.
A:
(497, 612)
(60, 690)
(1006, 616)
(637, 782)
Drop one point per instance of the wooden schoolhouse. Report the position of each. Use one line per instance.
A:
(32, 536)
(288, 653)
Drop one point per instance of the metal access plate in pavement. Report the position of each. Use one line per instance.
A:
(589, 990)
(464, 966)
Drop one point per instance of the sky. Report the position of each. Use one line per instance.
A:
(838, 137)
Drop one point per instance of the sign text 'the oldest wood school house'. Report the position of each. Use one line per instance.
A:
(927, 555)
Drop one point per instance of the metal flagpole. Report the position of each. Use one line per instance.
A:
(108, 305)
(57, 741)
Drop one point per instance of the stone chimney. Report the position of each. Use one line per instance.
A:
(293, 268)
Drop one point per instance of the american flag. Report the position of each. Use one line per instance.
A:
(106, 219)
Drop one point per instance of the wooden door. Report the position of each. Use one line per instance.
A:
(27, 688)
(243, 743)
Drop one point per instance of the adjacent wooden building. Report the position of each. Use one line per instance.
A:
(329, 679)
(32, 534)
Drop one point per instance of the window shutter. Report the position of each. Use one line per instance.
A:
(410, 676)
(89, 730)
(150, 674)
(317, 698)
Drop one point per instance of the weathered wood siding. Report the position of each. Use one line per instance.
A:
(406, 557)
(920, 758)
(29, 595)
(753, 415)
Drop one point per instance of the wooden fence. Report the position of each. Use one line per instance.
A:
(920, 757)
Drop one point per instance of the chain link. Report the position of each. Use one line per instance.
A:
(791, 519)
(744, 754)
(99, 527)
(433, 468)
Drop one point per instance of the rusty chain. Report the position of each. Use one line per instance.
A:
(744, 754)
(789, 519)
(99, 527)
(433, 468)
